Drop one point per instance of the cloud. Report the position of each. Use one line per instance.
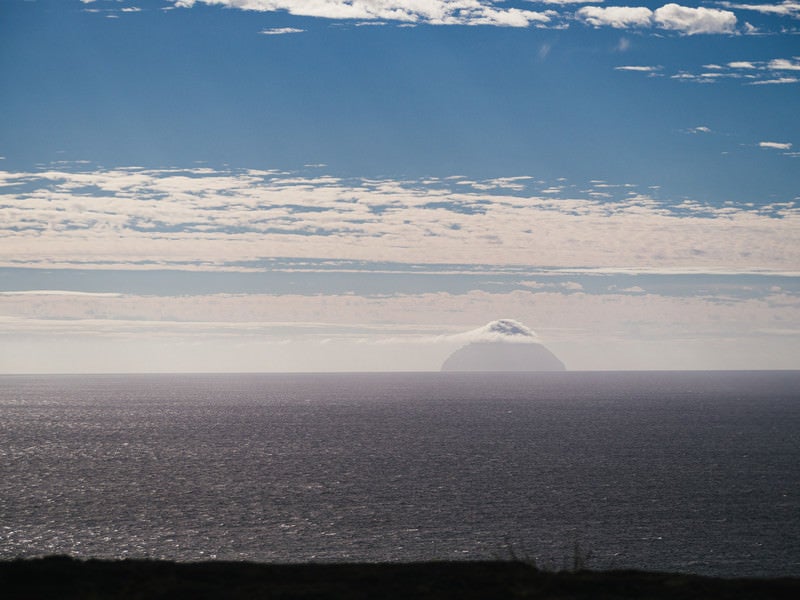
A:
(692, 21)
(751, 72)
(501, 330)
(566, 2)
(788, 8)
(619, 17)
(777, 81)
(110, 13)
(671, 17)
(60, 293)
(217, 219)
(701, 129)
(782, 64)
(638, 68)
(776, 145)
(281, 31)
(569, 322)
(434, 12)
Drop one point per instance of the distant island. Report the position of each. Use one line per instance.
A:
(503, 345)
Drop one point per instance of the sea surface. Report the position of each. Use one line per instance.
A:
(696, 472)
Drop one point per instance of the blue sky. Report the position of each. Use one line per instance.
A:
(330, 185)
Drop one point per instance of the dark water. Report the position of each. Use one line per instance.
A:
(695, 472)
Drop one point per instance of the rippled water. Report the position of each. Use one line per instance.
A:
(696, 472)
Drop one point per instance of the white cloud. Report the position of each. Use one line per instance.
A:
(776, 81)
(638, 68)
(776, 145)
(509, 183)
(751, 72)
(206, 219)
(566, 2)
(501, 330)
(60, 293)
(672, 17)
(782, 64)
(619, 17)
(788, 8)
(692, 21)
(281, 31)
(436, 12)
(701, 129)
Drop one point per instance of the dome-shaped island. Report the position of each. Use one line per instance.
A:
(503, 345)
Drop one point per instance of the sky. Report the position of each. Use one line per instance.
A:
(363, 185)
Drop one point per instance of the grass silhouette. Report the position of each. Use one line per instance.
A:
(72, 579)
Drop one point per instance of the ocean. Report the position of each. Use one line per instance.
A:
(697, 472)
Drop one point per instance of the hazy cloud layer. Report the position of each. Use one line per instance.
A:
(204, 218)
(263, 332)
(554, 315)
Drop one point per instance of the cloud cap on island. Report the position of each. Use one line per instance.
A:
(501, 330)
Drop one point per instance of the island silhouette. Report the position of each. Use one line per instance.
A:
(503, 345)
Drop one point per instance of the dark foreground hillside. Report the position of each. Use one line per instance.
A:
(66, 578)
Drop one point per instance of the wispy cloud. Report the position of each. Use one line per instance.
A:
(281, 31)
(111, 11)
(61, 293)
(639, 68)
(776, 145)
(749, 72)
(776, 81)
(788, 8)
